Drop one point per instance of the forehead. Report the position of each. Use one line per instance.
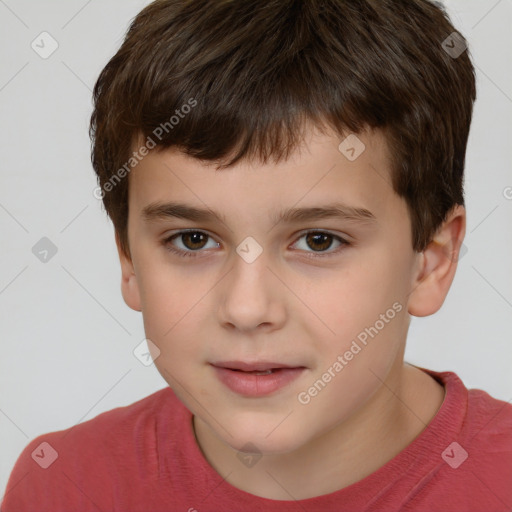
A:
(322, 170)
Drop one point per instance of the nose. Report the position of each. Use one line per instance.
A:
(251, 296)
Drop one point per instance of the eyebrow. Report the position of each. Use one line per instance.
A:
(161, 211)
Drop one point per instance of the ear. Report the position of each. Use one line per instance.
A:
(437, 265)
(129, 284)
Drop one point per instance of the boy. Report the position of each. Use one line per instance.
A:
(285, 181)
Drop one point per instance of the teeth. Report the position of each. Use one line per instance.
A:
(256, 372)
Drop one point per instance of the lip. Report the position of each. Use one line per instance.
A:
(235, 375)
(251, 367)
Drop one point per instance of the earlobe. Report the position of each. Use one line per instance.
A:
(437, 266)
(129, 283)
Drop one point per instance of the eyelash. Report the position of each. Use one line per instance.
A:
(194, 254)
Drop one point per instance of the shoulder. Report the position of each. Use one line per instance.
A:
(80, 465)
(111, 428)
(487, 431)
(489, 423)
(480, 418)
(485, 443)
(488, 415)
(470, 452)
(477, 410)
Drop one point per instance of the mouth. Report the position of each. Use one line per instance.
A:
(256, 378)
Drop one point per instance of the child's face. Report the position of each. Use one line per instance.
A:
(218, 307)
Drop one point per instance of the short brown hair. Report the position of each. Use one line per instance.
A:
(260, 69)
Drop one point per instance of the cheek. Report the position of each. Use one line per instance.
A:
(365, 322)
(181, 356)
(168, 296)
(351, 300)
(175, 306)
(350, 372)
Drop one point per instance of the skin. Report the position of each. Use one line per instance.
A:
(289, 308)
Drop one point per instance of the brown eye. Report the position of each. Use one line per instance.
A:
(319, 241)
(194, 240)
(188, 243)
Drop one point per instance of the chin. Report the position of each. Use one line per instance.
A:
(263, 437)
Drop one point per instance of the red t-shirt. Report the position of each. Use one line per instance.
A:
(143, 457)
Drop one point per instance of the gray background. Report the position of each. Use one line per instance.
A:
(67, 337)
